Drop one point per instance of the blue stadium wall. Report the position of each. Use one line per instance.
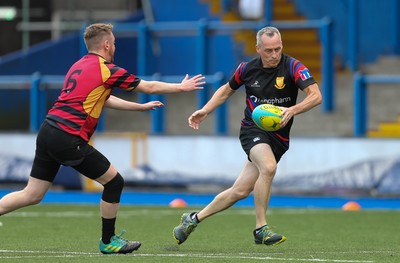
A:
(378, 26)
(178, 53)
(50, 58)
(177, 57)
(55, 57)
(378, 29)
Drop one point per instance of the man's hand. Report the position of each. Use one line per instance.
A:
(286, 114)
(193, 83)
(197, 117)
(152, 105)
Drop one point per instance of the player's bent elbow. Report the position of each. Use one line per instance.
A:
(318, 100)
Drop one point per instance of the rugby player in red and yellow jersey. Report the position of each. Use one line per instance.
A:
(275, 78)
(64, 135)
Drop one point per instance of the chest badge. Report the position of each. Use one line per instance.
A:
(280, 83)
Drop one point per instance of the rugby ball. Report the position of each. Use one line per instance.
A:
(267, 117)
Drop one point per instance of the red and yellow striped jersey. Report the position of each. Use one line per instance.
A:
(87, 86)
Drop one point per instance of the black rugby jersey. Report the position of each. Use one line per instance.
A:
(278, 86)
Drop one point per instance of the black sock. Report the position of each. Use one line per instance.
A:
(259, 229)
(108, 229)
(195, 218)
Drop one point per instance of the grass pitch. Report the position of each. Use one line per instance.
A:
(70, 233)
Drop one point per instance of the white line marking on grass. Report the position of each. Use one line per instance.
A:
(137, 211)
(53, 214)
(47, 252)
(88, 214)
(231, 256)
(66, 254)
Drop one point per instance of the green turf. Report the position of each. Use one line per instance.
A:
(70, 233)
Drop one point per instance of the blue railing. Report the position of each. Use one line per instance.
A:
(202, 28)
(354, 30)
(38, 99)
(361, 98)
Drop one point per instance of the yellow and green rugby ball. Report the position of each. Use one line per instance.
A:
(267, 117)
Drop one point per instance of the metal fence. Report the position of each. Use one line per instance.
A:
(38, 85)
(361, 98)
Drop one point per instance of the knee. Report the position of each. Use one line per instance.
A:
(268, 170)
(240, 193)
(113, 189)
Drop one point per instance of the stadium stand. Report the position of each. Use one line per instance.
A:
(337, 123)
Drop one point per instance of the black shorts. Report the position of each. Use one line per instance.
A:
(252, 135)
(55, 147)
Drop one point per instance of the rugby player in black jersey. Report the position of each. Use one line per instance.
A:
(275, 78)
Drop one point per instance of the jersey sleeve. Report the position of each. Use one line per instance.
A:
(237, 78)
(121, 78)
(300, 74)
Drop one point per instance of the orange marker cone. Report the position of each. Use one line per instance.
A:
(178, 203)
(351, 206)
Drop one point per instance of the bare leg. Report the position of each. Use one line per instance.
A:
(111, 243)
(108, 210)
(32, 194)
(242, 187)
(263, 158)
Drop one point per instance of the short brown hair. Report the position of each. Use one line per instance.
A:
(94, 34)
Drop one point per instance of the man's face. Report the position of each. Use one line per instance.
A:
(270, 50)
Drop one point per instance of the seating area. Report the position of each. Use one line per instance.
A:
(217, 51)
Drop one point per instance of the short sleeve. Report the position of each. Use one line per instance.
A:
(301, 74)
(237, 78)
(121, 78)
